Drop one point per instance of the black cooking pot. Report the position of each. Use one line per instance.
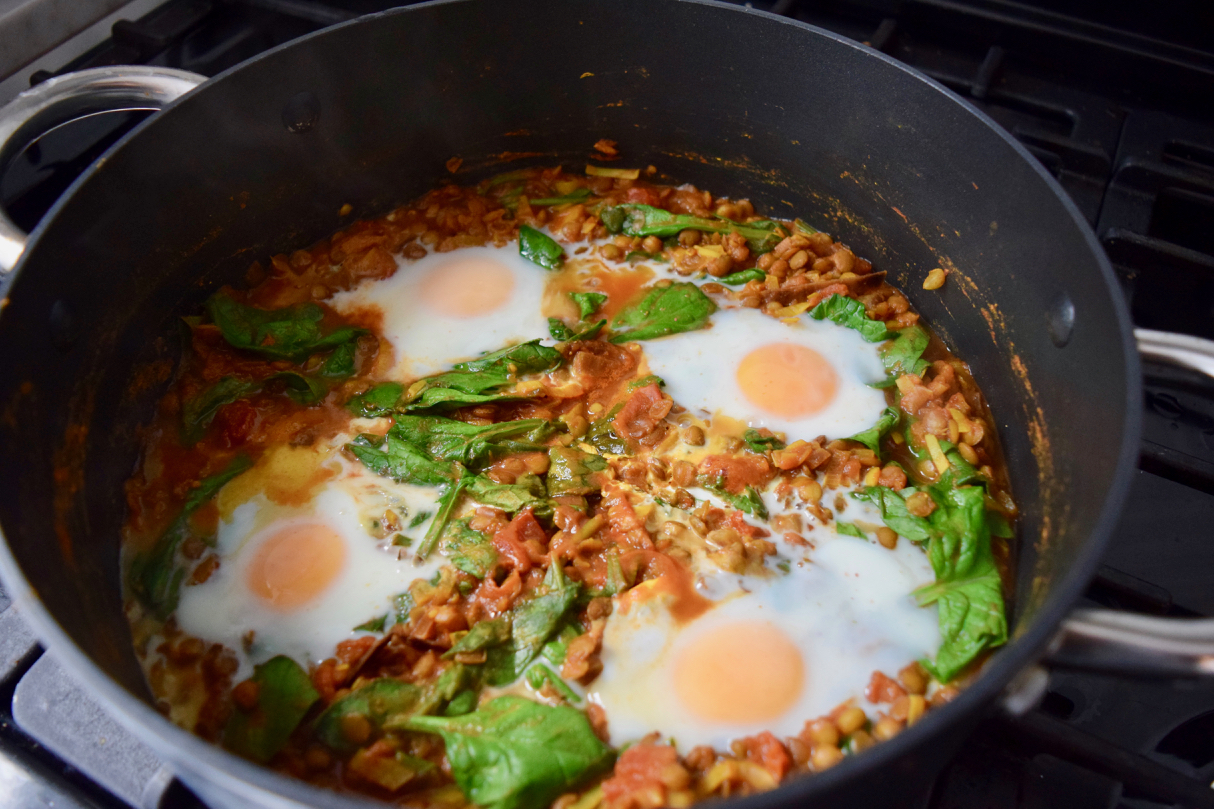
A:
(259, 161)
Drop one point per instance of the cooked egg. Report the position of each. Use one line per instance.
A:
(803, 379)
(773, 651)
(449, 307)
(298, 565)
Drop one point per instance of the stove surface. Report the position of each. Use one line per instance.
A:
(1118, 105)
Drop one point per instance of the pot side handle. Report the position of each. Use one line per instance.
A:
(1128, 643)
(76, 95)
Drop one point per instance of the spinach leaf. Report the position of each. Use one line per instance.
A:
(523, 358)
(677, 308)
(571, 471)
(805, 227)
(588, 302)
(742, 277)
(757, 442)
(532, 623)
(299, 388)
(514, 753)
(439, 398)
(198, 412)
(404, 604)
(292, 333)
(905, 354)
(555, 651)
(871, 437)
(468, 549)
(645, 220)
(436, 695)
(616, 581)
(477, 381)
(377, 700)
(847, 529)
(959, 472)
(156, 575)
(999, 525)
(378, 401)
(648, 379)
(482, 635)
(538, 674)
(567, 199)
(968, 590)
(559, 331)
(432, 451)
(446, 506)
(462, 703)
(613, 219)
(396, 456)
(284, 695)
(850, 312)
(893, 511)
(748, 501)
(536, 620)
(374, 625)
(470, 444)
(527, 491)
(539, 248)
(602, 435)
(340, 363)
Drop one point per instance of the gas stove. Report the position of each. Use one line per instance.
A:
(1117, 103)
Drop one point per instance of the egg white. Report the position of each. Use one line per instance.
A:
(223, 610)
(844, 602)
(426, 341)
(700, 371)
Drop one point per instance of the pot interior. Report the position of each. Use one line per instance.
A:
(888, 163)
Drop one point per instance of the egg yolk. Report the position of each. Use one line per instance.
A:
(742, 672)
(295, 565)
(467, 287)
(787, 380)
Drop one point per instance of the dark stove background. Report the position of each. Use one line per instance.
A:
(1116, 101)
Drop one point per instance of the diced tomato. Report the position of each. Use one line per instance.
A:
(351, 651)
(324, 679)
(767, 751)
(737, 471)
(883, 689)
(625, 527)
(645, 408)
(495, 598)
(643, 196)
(640, 775)
(235, 422)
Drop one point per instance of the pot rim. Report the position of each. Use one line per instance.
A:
(191, 756)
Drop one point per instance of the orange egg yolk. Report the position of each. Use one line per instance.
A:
(788, 380)
(295, 565)
(467, 287)
(742, 673)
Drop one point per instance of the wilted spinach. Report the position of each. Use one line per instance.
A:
(284, 695)
(514, 753)
(674, 309)
(155, 576)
